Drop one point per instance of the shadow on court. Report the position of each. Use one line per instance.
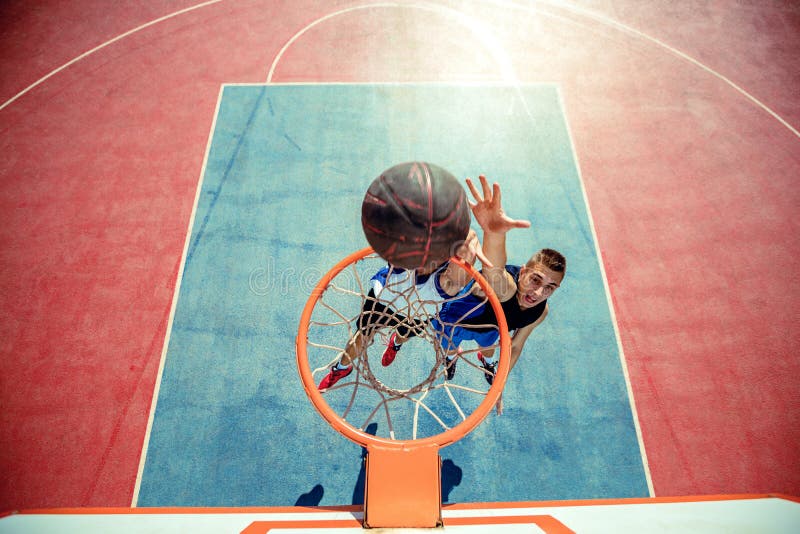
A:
(312, 498)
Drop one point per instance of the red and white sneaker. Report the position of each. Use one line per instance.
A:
(391, 351)
(334, 376)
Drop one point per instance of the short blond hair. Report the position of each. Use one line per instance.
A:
(552, 259)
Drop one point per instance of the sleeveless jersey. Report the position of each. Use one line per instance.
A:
(473, 310)
(425, 290)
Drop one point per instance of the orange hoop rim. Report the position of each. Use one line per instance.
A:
(364, 439)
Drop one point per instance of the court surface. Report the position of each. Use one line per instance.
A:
(177, 174)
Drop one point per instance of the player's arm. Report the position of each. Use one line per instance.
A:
(521, 336)
(488, 211)
(501, 280)
(454, 277)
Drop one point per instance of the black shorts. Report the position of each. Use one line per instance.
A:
(375, 316)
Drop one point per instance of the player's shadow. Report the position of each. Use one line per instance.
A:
(451, 474)
(312, 498)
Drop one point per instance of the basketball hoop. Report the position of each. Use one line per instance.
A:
(403, 466)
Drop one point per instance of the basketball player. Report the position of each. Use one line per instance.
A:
(522, 290)
(495, 223)
(432, 284)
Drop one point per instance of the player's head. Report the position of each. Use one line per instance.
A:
(540, 277)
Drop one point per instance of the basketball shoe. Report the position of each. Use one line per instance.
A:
(491, 368)
(450, 366)
(334, 376)
(450, 369)
(391, 351)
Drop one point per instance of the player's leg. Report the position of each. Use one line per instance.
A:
(451, 359)
(450, 337)
(404, 331)
(486, 356)
(396, 340)
(373, 315)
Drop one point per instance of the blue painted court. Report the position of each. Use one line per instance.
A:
(279, 205)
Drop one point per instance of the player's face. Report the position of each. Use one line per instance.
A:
(536, 284)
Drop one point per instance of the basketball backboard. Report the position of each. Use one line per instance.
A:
(766, 514)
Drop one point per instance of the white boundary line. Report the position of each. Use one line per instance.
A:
(459, 83)
(608, 21)
(175, 295)
(100, 47)
(622, 360)
(491, 44)
(515, 85)
(435, 7)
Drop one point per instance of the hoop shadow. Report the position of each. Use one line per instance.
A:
(451, 477)
(361, 481)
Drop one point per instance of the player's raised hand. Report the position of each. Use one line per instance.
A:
(488, 208)
(470, 249)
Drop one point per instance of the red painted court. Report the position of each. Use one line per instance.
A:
(685, 125)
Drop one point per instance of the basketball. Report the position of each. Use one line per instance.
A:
(415, 214)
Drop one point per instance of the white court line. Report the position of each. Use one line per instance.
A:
(100, 47)
(496, 51)
(622, 360)
(507, 4)
(173, 306)
(454, 83)
(608, 21)
(480, 32)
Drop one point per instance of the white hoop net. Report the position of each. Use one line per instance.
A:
(411, 398)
